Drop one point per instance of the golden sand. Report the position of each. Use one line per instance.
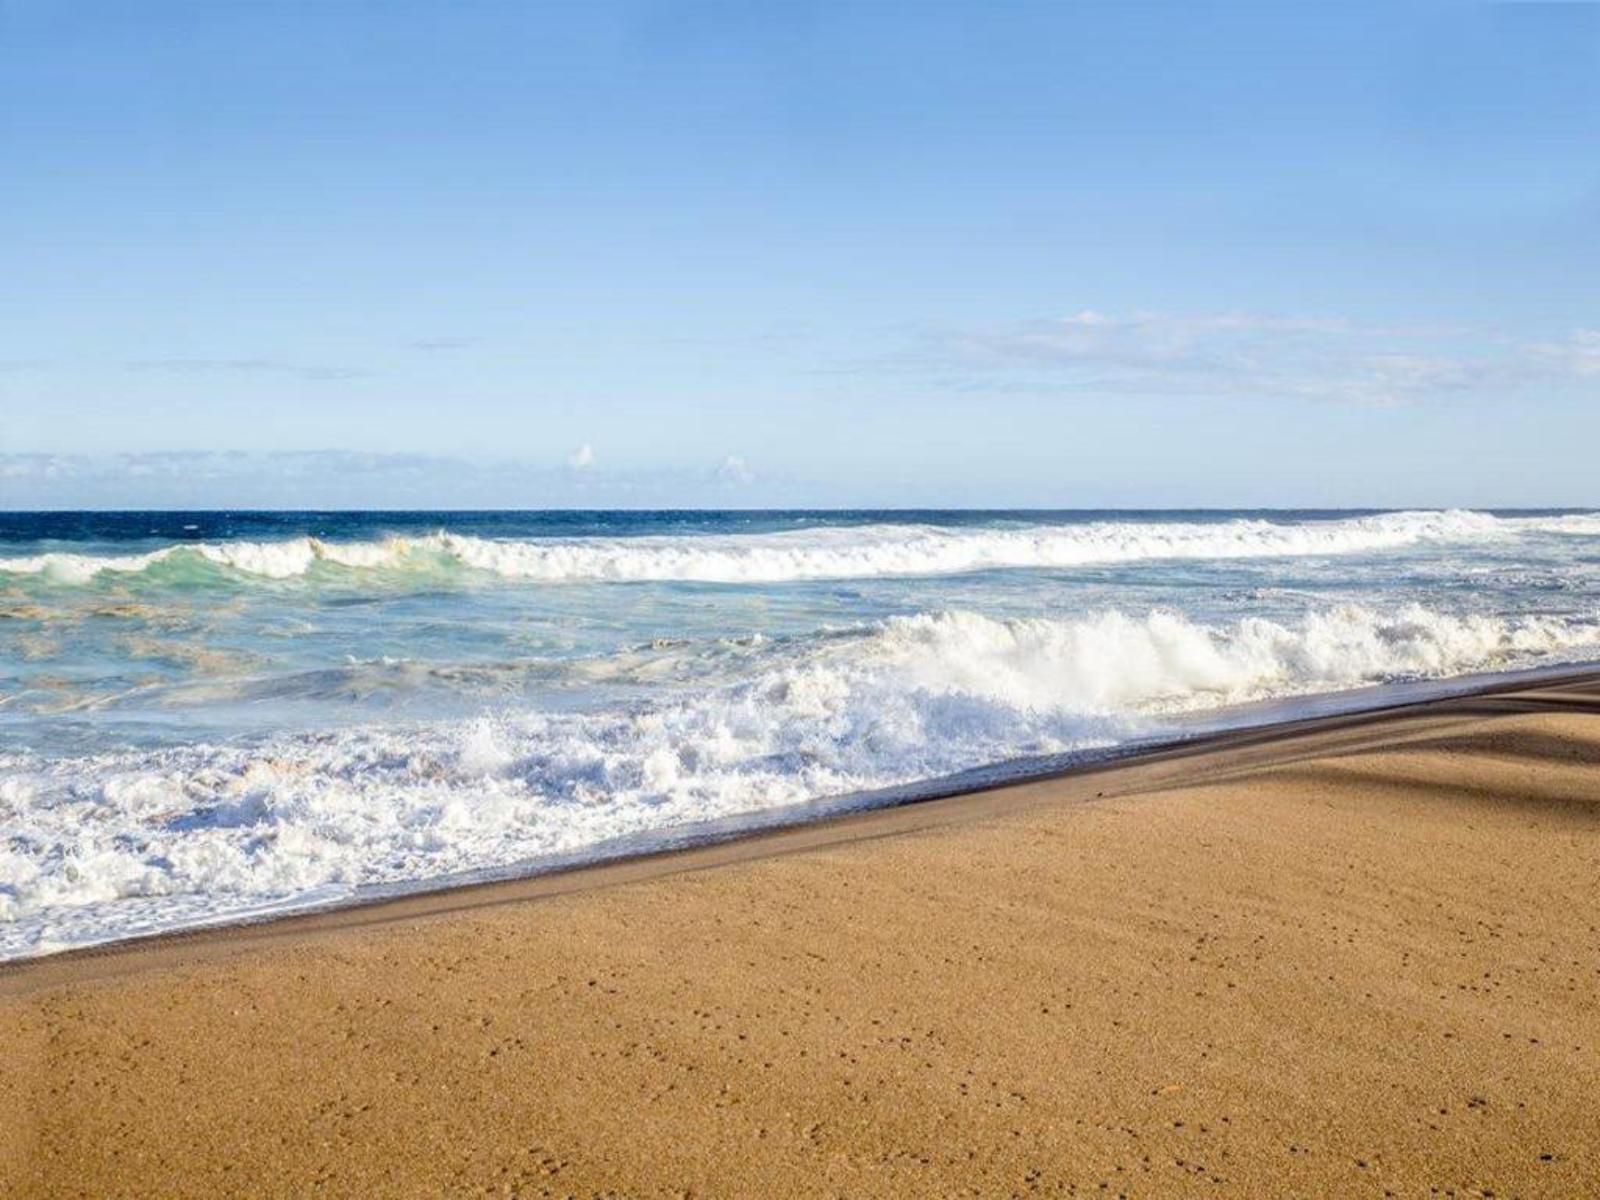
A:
(1352, 958)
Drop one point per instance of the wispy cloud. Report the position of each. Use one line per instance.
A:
(247, 366)
(1249, 354)
(1578, 353)
(356, 479)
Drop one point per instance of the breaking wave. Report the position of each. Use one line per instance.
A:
(851, 552)
(115, 844)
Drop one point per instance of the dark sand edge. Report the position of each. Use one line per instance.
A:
(1209, 757)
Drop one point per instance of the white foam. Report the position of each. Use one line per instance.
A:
(270, 560)
(851, 552)
(1163, 662)
(908, 550)
(112, 845)
(58, 567)
(1575, 524)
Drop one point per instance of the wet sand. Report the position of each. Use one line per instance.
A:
(1354, 956)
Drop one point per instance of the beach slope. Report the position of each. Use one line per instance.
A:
(1356, 956)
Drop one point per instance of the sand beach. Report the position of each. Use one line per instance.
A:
(1353, 956)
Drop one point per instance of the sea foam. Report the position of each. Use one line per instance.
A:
(839, 552)
(113, 844)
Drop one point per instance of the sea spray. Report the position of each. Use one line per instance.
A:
(116, 843)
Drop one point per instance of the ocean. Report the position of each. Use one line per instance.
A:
(212, 717)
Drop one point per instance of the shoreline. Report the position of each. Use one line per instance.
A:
(1354, 955)
(831, 821)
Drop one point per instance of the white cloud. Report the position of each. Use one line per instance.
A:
(582, 458)
(1252, 354)
(735, 470)
(356, 479)
(1087, 318)
(1154, 340)
(1578, 353)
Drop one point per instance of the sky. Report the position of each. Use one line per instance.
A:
(481, 254)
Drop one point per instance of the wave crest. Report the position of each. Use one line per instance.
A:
(858, 552)
(114, 844)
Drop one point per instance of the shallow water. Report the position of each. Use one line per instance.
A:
(211, 716)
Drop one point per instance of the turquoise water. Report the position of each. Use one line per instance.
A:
(210, 716)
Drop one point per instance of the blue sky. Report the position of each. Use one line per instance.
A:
(738, 254)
